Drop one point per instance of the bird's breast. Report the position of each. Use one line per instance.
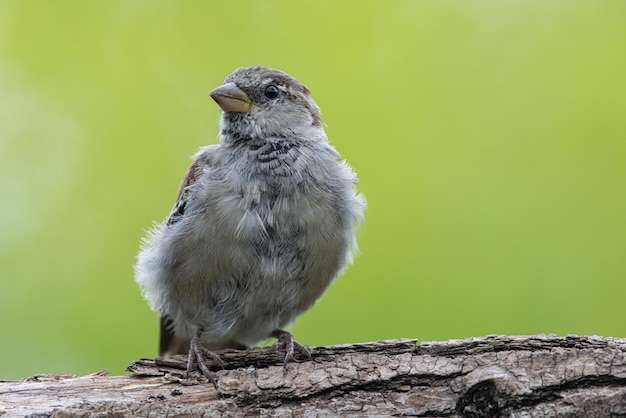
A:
(275, 159)
(282, 194)
(280, 212)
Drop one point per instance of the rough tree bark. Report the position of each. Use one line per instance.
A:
(495, 376)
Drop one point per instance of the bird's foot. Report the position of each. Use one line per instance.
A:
(197, 354)
(286, 342)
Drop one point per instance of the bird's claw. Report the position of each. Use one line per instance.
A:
(287, 343)
(197, 354)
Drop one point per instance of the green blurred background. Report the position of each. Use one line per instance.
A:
(489, 138)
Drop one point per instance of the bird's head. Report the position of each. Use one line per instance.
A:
(262, 103)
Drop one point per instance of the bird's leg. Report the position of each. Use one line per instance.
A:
(286, 342)
(197, 354)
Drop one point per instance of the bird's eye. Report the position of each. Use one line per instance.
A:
(271, 91)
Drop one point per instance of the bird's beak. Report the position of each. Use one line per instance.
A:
(231, 98)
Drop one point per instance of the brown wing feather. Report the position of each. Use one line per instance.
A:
(168, 343)
(183, 191)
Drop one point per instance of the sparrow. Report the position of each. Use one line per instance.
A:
(264, 222)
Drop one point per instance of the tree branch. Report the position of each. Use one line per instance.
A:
(495, 376)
